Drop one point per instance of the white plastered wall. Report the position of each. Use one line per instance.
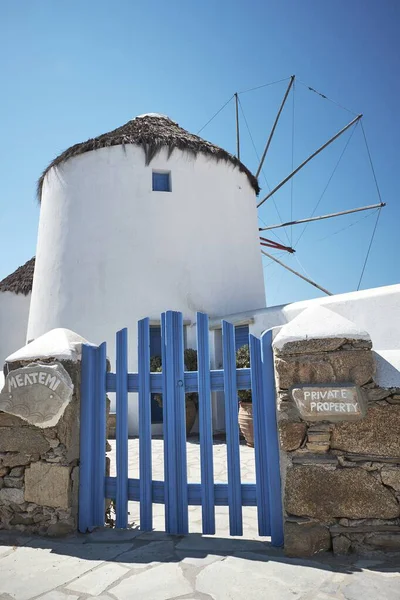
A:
(376, 311)
(14, 311)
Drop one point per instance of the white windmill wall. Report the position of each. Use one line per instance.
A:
(14, 312)
(111, 251)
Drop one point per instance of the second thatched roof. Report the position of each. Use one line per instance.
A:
(19, 282)
(152, 132)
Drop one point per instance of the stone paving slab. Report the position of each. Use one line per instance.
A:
(160, 583)
(98, 580)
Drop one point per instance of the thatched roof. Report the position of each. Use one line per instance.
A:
(20, 282)
(152, 132)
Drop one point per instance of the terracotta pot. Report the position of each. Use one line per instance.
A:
(246, 422)
(191, 414)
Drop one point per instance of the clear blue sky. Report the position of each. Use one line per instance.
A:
(73, 70)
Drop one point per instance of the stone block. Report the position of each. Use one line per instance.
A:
(291, 435)
(4, 471)
(341, 544)
(377, 434)
(14, 482)
(22, 519)
(68, 430)
(318, 437)
(347, 366)
(306, 539)
(8, 495)
(384, 541)
(61, 528)
(324, 494)
(17, 472)
(318, 447)
(15, 459)
(7, 420)
(314, 346)
(48, 485)
(25, 440)
(303, 457)
(376, 394)
(391, 477)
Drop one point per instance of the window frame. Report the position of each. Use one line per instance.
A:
(156, 172)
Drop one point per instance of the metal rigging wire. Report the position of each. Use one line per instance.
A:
(264, 85)
(369, 248)
(371, 163)
(348, 226)
(217, 113)
(325, 97)
(272, 262)
(262, 170)
(329, 181)
(242, 92)
(292, 180)
(379, 210)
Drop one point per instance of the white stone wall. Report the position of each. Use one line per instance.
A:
(14, 311)
(376, 310)
(111, 251)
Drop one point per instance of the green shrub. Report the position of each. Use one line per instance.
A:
(190, 360)
(243, 362)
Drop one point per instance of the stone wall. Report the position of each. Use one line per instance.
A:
(341, 480)
(39, 465)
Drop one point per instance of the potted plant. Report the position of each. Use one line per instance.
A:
(192, 398)
(245, 399)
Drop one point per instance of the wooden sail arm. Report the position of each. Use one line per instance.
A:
(272, 244)
(271, 135)
(330, 216)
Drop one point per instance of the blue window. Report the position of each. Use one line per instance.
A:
(161, 182)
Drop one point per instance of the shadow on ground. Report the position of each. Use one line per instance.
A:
(132, 547)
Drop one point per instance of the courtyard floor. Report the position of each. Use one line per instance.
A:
(121, 565)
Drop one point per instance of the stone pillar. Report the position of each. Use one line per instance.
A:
(339, 440)
(39, 436)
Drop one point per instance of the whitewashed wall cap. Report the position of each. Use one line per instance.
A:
(60, 343)
(318, 323)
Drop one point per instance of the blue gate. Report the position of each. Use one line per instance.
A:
(175, 491)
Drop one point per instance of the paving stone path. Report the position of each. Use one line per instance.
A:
(124, 565)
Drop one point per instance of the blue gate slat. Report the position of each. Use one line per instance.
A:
(145, 467)
(232, 429)
(176, 501)
(243, 381)
(260, 437)
(273, 474)
(248, 492)
(122, 430)
(205, 425)
(86, 438)
(100, 427)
